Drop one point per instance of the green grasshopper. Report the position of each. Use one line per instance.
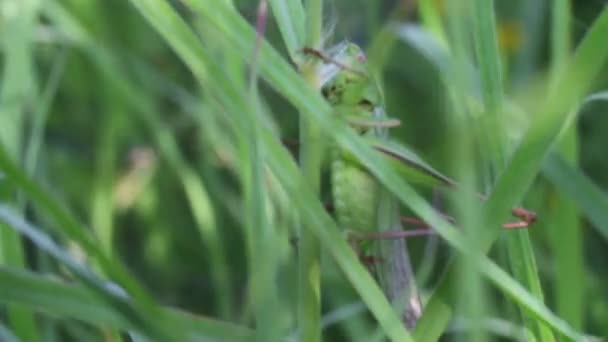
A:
(356, 97)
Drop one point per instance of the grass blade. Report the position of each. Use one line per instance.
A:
(291, 19)
(575, 185)
(18, 87)
(567, 246)
(311, 158)
(47, 295)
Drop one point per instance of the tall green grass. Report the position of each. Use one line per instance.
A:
(223, 233)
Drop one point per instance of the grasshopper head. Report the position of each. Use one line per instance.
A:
(350, 88)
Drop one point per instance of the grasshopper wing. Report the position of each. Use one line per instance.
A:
(407, 163)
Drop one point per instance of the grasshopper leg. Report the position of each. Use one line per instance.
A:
(397, 234)
(527, 219)
(354, 240)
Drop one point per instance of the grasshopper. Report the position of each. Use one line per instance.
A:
(347, 85)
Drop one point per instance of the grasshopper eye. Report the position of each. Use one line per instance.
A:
(366, 104)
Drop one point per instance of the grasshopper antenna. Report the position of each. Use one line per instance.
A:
(320, 55)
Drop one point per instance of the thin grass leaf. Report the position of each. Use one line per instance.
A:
(523, 266)
(311, 158)
(291, 20)
(261, 230)
(48, 295)
(575, 185)
(35, 139)
(490, 73)
(431, 19)
(17, 88)
(529, 302)
(567, 246)
(498, 327)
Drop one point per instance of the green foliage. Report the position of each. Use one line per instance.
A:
(146, 190)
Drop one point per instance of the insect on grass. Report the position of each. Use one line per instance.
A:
(356, 98)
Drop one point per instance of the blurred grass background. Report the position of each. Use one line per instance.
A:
(132, 138)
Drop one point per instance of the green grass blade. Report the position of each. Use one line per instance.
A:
(261, 231)
(290, 17)
(35, 139)
(568, 245)
(431, 19)
(529, 302)
(523, 266)
(47, 295)
(18, 86)
(311, 157)
(575, 185)
(490, 72)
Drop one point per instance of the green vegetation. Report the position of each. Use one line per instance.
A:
(163, 169)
